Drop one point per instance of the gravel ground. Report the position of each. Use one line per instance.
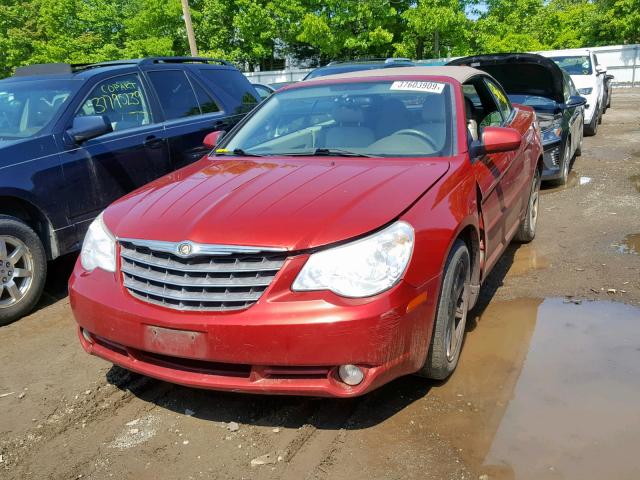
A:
(508, 412)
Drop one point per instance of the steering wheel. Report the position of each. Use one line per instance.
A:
(420, 134)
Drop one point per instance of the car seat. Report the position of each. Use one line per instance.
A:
(348, 130)
(434, 118)
(392, 116)
(472, 122)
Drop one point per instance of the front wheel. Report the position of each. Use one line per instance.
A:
(23, 269)
(592, 128)
(451, 316)
(527, 230)
(579, 147)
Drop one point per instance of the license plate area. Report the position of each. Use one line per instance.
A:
(176, 343)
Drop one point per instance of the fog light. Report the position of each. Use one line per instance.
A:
(351, 374)
(86, 335)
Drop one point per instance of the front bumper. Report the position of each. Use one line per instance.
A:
(286, 343)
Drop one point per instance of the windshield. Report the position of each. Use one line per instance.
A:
(534, 101)
(380, 118)
(579, 65)
(27, 107)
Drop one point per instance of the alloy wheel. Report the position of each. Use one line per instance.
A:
(16, 270)
(458, 306)
(533, 202)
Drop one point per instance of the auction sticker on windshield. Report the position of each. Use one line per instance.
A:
(415, 86)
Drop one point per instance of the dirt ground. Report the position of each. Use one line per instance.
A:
(548, 384)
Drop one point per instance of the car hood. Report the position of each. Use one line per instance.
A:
(292, 203)
(520, 73)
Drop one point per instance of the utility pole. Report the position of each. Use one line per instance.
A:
(186, 12)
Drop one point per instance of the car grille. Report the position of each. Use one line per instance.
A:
(209, 280)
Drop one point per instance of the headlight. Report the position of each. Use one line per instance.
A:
(362, 268)
(550, 124)
(98, 248)
(585, 91)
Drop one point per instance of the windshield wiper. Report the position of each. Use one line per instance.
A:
(238, 152)
(337, 152)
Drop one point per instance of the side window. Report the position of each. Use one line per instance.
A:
(501, 98)
(481, 104)
(121, 99)
(232, 86)
(177, 98)
(207, 104)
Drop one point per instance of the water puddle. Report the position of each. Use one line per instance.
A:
(573, 180)
(547, 390)
(525, 259)
(630, 244)
(635, 179)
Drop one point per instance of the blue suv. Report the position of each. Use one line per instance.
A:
(74, 138)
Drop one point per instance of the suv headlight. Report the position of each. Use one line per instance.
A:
(585, 91)
(98, 248)
(361, 268)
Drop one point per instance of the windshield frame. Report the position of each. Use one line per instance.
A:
(452, 138)
(70, 85)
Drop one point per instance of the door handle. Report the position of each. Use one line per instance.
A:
(153, 142)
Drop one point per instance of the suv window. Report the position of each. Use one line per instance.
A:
(232, 85)
(121, 99)
(177, 98)
(207, 104)
(501, 99)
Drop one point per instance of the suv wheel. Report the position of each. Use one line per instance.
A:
(23, 269)
(592, 128)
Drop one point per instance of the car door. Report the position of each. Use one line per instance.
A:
(190, 113)
(500, 176)
(105, 168)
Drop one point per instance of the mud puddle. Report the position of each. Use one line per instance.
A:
(526, 259)
(574, 180)
(547, 389)
(630, 244)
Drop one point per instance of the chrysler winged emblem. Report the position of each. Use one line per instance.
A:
(184, 249)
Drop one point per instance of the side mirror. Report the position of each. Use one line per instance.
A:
(601, 69)
(496, 140)
(87, 127)
(576, 101)
(213, 138)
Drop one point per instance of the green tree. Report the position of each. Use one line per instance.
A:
(348, 29)
(435, 28)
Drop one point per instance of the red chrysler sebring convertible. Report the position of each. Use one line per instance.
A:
(333, 241)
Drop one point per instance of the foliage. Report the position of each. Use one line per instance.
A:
(256, 33)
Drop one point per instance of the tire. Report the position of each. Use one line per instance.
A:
(591, 129)
(600, 116)
(527, 230)
(23, 269)
(451, 316)
(579, 147)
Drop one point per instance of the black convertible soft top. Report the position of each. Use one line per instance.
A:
(520, 73)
